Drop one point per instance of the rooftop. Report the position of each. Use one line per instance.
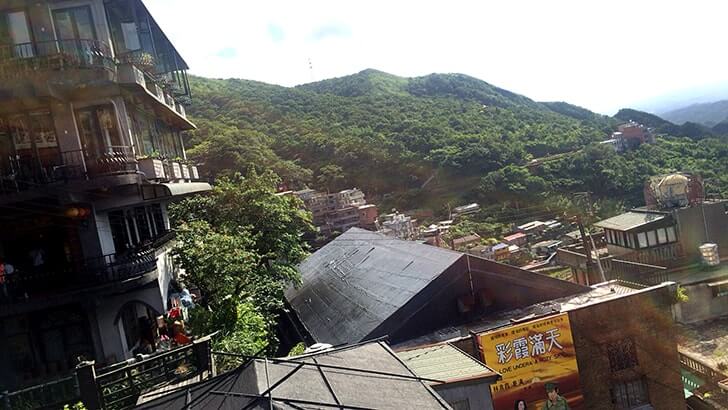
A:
(355, 282)
(597, 294)
(445, 362)
(514, 236)
(368, 375)
(630, 220)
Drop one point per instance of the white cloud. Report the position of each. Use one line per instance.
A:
(601, 55)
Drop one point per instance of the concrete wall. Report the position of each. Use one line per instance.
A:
(643, 317)
(107, 313)
(693, 228)
(701, 305)
(475, 393)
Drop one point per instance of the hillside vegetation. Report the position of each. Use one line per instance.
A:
(430, 141)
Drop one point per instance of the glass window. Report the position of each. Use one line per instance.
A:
(43, 129)
(630, 394)
(17, 23)
(143, 226)
(630, 240)
(74, 23)
(119, 231)
(158, 218)
(642, 239)
(131, 38)
(671, 234)
(652, 238)
(661, 236)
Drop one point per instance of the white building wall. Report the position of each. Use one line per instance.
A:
(111, 333)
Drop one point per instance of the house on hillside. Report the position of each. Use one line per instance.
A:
(364, 285)
(518, 238)
(660, 242)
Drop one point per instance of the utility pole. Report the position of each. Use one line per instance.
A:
(587, 249)
(590, 212)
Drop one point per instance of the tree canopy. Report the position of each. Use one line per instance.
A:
(240, 245)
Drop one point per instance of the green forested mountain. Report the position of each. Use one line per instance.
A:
(707, 114)
(425, 141)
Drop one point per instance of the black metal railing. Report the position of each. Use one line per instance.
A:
(20, 173)
(120, 386)
(110, 161)
(52, 394)
(18, 59)
(35, 282)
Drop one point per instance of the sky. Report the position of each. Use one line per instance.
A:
(602, 55)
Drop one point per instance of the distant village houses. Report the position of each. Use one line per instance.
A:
(629, 136)
(338, 211)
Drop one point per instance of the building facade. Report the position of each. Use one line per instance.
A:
(92, 97)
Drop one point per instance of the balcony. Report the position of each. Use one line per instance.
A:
(37, 283)
(21, 60)
(21, 173)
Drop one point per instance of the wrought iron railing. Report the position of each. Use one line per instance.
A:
(22, 173)
(35, 282)
(52, 394)
(120, 386)
(19, 59)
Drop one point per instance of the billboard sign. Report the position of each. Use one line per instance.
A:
(528, 356)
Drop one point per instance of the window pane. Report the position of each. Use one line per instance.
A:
(20, 33)
(661, 236)
(84, 23)
(671, 234)
(131, 38)
(64, 25)
(652, 238)
(642, 238)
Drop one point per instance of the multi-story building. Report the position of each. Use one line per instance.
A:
(630, 135)
(662, 241)
(338, 211)
(398, 226)
(92, 97)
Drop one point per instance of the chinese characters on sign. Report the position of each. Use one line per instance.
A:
(528, 355)
(520, 346)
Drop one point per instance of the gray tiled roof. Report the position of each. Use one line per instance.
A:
(352, 383)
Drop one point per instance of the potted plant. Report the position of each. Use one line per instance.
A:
(151, 165)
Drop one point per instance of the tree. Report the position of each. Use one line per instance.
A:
(240, 245)
(331, 177)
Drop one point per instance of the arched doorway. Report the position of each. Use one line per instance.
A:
(136, 322)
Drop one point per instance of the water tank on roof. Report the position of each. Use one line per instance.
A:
(709, 253)
(672, 190)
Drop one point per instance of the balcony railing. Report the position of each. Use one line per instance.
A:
(26, 283)
(17, 60)
(21, 173)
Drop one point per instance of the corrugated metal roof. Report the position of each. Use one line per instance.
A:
(355, 282)
(444, 362)
(630, 220)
